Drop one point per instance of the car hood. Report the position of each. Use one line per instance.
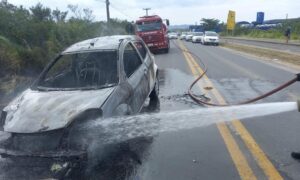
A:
(38, 111)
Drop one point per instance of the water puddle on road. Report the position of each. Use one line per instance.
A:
(124, 128)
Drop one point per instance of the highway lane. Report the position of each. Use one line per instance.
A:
(277, 46)
(236, 77)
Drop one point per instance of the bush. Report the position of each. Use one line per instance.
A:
(30, 38)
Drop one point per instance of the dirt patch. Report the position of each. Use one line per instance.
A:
(281, 56)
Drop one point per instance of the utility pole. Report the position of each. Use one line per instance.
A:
(107, 11)
(147, 9)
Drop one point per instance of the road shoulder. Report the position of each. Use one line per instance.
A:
(287, 66)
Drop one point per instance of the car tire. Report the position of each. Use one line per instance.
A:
(154, 104)
(155, 91)
(166, 50)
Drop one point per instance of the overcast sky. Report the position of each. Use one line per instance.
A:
(180, 11)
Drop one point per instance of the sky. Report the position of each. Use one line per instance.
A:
(179, 11)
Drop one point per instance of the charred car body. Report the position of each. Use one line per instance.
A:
(100, 77)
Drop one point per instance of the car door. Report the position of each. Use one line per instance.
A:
(135, 71)
(149, 71)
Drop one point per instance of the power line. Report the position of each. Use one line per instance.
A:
(120, 11)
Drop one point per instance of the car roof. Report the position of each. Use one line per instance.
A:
(99, 43)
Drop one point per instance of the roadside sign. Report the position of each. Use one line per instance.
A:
(231, 20)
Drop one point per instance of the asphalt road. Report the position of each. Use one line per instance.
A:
(254, 148)
(277, 46)
(265, 143)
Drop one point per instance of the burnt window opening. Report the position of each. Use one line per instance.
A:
(82, 70)
(132, 60)
(141, 48)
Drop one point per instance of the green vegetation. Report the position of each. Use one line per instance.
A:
(276, 33)
(210, 24)
(30, 38)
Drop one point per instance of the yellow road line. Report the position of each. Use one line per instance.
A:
(237, 156)
(240, 161)
(260, 157)
(257, 152)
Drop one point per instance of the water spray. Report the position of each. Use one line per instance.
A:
(120, 129)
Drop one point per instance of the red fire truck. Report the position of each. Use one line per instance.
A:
(154, 32)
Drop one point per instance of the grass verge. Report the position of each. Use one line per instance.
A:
(281, 56)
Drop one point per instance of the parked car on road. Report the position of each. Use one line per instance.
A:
(197, 37)
(101, 77)
(210, 37)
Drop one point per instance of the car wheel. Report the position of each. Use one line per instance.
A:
(155, 91)
(154, 103)
(166, 50)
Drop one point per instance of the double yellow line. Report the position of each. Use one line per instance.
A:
(236, 154)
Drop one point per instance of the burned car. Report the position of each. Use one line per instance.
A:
(100, 77)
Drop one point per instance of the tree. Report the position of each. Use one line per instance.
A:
(88, 15)
(210, 24)
(81, 14)
(41, 13)
(59, 16)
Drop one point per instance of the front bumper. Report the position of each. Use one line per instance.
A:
(157, 45)
(211, 41)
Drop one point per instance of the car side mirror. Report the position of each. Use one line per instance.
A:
(168, 22)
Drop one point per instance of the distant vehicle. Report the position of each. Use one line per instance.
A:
(197, 37)
(268, 26)
(101, 77)
(210, 37)
(182, 35)
(154, 32)
(172, 35)
(246, 25)
(189, 36)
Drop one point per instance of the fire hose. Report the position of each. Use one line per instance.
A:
(205, 69)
